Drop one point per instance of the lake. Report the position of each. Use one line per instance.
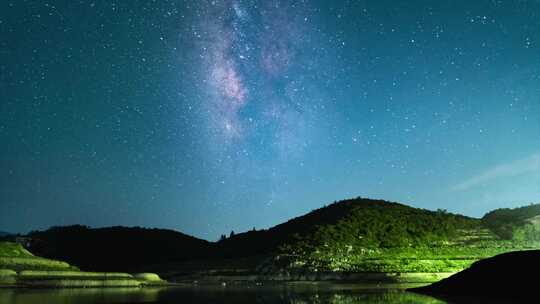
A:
(290, 294)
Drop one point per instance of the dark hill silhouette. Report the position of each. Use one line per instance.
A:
(116, 248)
(511, 276)
(4, 234)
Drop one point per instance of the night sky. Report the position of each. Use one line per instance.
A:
(212, 116)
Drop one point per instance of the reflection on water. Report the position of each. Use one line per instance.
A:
(214, 295)
(78, 295)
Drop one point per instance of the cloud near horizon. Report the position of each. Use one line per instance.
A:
(514, 168)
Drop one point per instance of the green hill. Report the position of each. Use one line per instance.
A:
(351, 236)
(13, 256)
(19, 267)
(14, 250)
(358, 222)
(363, 235)
(520, 224)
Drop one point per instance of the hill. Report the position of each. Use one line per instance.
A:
(521, 223)
(364, 235)
(19, 267)
(13, 256)
(506, 276)
(358, 222)
(351, 236)
(116, 248)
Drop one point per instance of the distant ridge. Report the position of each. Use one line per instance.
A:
(4, 234)
(116, 248)
(353, 235)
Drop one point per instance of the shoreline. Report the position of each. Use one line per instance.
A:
(77, 279)
(321, 278)
(373, 279)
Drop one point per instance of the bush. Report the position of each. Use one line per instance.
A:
(148, 277)
(29, 274)
(81, 283)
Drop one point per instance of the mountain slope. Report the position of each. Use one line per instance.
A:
(358, 222)
(360, 235)
(355, 235)
(521, 223)
(13, 256)
(116, 248)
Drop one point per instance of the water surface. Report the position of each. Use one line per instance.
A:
(334, 294)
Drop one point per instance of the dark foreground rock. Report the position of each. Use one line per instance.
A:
(511, 276)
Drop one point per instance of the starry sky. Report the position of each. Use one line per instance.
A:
(212, 116)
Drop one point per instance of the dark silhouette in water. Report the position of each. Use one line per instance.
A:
(508, 276)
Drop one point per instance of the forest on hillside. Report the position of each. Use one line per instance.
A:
(522, 223)
(351, 235)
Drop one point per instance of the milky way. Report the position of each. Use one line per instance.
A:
(224, 79)
(248, 50)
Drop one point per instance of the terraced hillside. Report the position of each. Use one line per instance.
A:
(13, 256)
(355, 236)
(19, 267)
(518, 224)
(380, 236)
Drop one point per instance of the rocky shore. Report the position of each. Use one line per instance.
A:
(362, 278)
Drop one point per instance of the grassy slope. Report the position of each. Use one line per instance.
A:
(433, 250)
(13, 256)
(521, 223)
(357, 235)
(362, 235)
(20, 267)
